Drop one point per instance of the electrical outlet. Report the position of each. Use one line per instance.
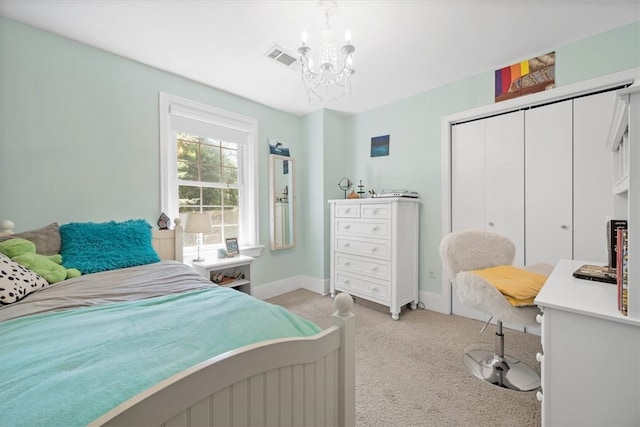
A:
(432, 273)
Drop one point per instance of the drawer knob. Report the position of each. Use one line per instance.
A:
(345, 282)
(374, 269)
(347, 264)
(346, 245)
(374, 288)
(539, 357)
(346, 227)
(347, 210)
(374, 249)
(539, 318)
(374, 229)
(539, 396)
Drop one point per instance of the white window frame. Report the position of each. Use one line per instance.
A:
(233, 124)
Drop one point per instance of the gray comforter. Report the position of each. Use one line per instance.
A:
(145, 281)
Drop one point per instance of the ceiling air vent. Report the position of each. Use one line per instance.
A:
(278, 54)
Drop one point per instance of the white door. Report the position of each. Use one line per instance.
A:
(467, 190)
(487, 182)
(592, 175)
(548, 183)
(504, 178)
(467, 175)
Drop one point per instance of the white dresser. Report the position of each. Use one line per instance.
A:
(374, 250)
(590, 365)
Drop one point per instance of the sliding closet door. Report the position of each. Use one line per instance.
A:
(548, 183)
(592, 171)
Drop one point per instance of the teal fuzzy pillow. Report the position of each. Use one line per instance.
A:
(92, 247)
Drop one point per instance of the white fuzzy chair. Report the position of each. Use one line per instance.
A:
(466, 250)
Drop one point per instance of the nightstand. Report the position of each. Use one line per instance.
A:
(225, 270)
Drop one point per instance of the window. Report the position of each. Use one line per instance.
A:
(208, 164)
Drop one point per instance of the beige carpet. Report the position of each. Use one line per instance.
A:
(410, 372)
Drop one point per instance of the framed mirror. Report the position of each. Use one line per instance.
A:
(281, 201)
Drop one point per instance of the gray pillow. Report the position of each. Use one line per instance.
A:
(46, 239)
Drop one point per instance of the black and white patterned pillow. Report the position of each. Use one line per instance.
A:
(17, 281)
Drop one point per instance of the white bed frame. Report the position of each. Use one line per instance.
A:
(293, 381)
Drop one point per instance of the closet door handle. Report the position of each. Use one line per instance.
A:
(564, 226)
(491, 224)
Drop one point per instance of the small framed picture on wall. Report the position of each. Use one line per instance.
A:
(380, 146)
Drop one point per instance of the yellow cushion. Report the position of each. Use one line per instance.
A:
(519, 286)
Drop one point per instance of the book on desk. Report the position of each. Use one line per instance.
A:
(598, 273)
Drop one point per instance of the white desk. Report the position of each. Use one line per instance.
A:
(591, 361)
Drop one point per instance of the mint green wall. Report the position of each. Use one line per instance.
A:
(324, 133)
(79, 136)
(79, 140)
(414, 126)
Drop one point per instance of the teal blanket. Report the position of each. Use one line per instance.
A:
(67, 368)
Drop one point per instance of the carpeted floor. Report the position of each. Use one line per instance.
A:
(410, 372)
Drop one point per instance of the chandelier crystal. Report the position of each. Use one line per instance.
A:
(327, 81)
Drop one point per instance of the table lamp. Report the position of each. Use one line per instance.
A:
(198, 222)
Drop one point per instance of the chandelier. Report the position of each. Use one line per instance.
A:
(327, 81)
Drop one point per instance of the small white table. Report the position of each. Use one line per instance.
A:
(210, 268)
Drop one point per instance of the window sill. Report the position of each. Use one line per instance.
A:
(252, 251)
(212, 252)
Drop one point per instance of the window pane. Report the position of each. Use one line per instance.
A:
(215, 237)
(216, 215)
(210, 172)
(231, 215)
(229, 175)
(212, 196)
(230, 231)
(230, 197)
(188, 196)
(229, 158)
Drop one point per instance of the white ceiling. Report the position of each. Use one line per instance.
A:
(402, 47)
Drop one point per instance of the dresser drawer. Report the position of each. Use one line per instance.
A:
(347, 211)
(381, 211)
(378, 249)
(364, 228)
(360, 265)
(358, 286)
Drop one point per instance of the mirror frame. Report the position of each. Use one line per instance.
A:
(274, 166)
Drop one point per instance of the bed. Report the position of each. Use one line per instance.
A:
(158, 344)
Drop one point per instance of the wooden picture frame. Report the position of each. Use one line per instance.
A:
(232, 246)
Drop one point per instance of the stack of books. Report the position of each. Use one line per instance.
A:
(616, 271)
(623, 271)
(617, 247)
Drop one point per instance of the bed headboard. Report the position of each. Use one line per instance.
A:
(168, 243)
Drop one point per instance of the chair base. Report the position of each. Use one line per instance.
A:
(505, 372)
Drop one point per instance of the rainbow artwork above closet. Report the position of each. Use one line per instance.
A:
(525, 77)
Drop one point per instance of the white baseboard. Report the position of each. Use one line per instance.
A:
(273, 289)
(435, 302)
